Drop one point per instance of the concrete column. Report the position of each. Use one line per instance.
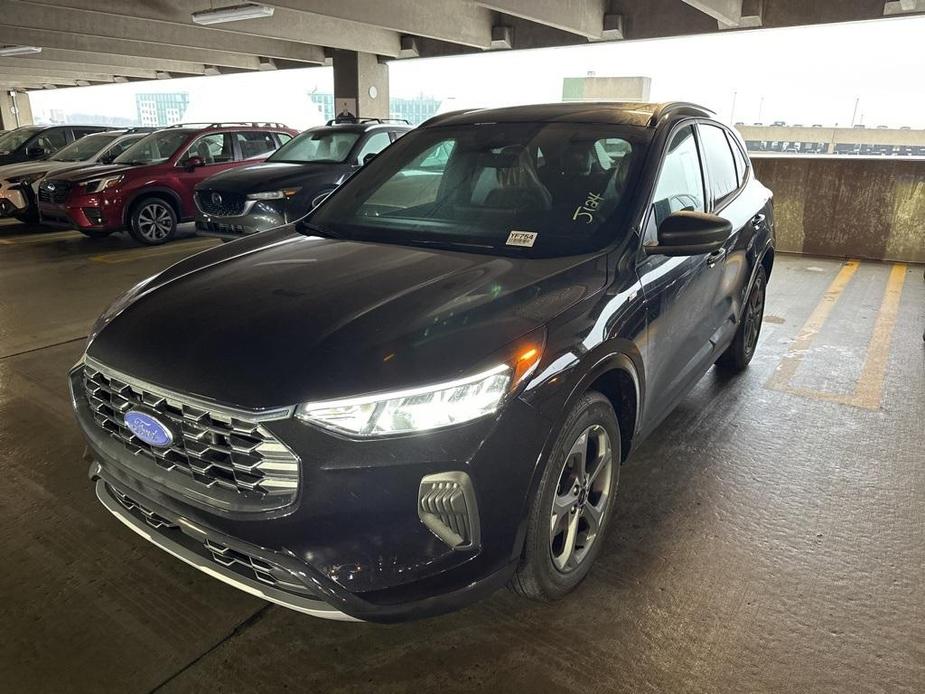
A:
(361, 84)
(13, 106)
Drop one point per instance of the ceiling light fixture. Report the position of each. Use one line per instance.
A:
(234, 13)
(7, 51)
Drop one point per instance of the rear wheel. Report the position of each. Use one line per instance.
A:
(573, 504)
(740, 352)
(153, 222)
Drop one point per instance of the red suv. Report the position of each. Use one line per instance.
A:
(148, 189)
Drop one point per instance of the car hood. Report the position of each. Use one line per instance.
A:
(274, 175)
(11, 171)
(88, 173)
(293, 318)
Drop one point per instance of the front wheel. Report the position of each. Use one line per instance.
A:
(153, 222)
(572, 507)
(740, 352)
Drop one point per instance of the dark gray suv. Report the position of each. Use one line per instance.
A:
(292, 180)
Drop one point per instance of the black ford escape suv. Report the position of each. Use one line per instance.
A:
(426, 389)
(293, 179)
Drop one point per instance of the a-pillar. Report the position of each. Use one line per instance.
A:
(361, 85)
(15, 109)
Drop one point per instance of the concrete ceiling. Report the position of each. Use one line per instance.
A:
(99, 41)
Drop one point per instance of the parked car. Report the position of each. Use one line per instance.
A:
(293, 179)
(148, 189)
(40, 141)
(424, 391)
(18, 182)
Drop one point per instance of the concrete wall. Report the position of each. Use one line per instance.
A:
(7, 116)
(848, 207)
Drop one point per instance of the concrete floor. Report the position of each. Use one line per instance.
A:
(769, 536)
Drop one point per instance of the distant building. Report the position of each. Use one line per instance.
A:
(415, 110)
(325, 104)
(161, 108)
(799, 139)
(594, 88)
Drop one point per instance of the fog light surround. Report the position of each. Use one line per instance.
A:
(447, 507)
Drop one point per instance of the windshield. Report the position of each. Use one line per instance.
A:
(15, 138)
(536, 189)
(320, 145)
(84, 148)
(155, 148)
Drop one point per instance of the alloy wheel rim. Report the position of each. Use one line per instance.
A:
(154, 222)
(755, 312)
(581, 499)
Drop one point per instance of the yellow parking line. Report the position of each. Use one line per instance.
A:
(794, 356)
(133, 254)
(869, 387)
(870, 384)
(25, 239)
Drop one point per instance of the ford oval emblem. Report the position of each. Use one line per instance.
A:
(216, 198)
(149, 429)
(50, 186)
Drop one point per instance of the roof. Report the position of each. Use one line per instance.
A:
(609, 113)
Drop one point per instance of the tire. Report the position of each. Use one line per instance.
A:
(737, 356)
(547, 570)
(153, 221)
(94, 233)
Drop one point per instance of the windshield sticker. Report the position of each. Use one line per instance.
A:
(522, 238)
(587, 210)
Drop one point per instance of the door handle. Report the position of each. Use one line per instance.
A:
(716, 256)
(758, 220)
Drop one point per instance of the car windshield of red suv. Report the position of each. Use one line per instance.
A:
(317, 146)
(156, 148)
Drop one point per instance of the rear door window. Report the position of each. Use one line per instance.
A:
(255, 143)
(721, 169)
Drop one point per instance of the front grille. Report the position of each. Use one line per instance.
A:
(220, 203)
(209, 447)
(54, 191)
(239, 561)
(219, 228)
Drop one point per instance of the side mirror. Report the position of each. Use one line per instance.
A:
(35, 152)
(191, 163)
(368, 158)
(690, 233)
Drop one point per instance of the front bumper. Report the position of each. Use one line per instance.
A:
(14, 200)
(256, 217)
(94, 212)
(353, 538)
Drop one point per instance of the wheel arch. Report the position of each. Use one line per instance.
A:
(169, 196)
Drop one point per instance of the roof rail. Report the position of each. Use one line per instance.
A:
(680, 108)
(246, 124)
(354, 120)
(140, 129)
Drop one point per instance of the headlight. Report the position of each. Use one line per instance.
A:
(117, 307)
(422, 409)
(27, 179)
(281, 194)
(99, 184)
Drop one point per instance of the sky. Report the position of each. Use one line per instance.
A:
(801, 75)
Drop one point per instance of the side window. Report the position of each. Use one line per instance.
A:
(213, 149)
(255, 144)
(375, 144)
(80, 132)
(52, 140)
(680, 182)
(283, 138)
(395, 134)
(721, 169)
(741, 162)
